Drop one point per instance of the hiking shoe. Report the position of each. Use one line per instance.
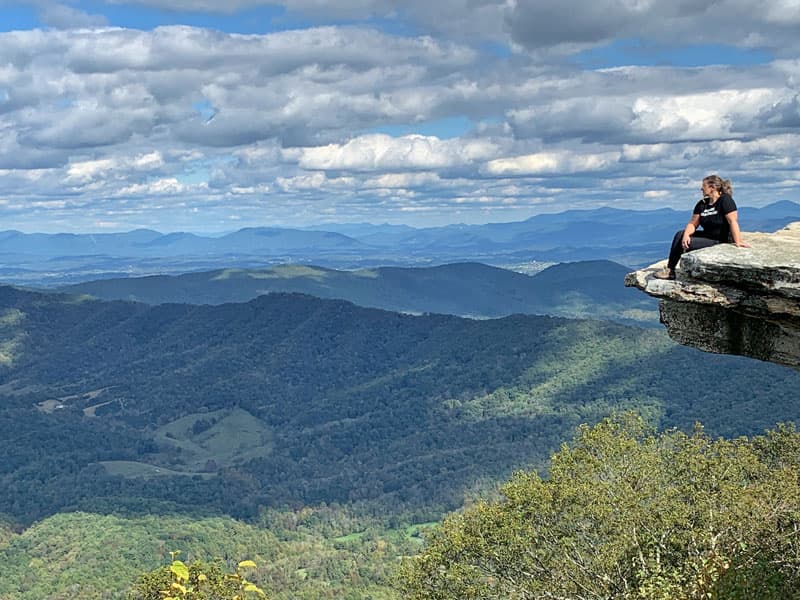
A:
(665, 273)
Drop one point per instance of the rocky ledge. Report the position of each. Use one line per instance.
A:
(734, 300)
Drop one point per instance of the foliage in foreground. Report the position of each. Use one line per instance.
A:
(627, 513)
(198, 581)
(313, 553)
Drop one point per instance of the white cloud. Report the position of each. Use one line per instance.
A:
(552, 163)
(313, 181)
(782, 12)
(166, 186)
(85, 171)
(403, 180)
(647, 116)
(81, 172)
(646, 152)
(249, 190)
(775, 145)
(383, 152)
(282, 125)
(146, 162)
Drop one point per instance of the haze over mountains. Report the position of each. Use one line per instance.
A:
(628, 237)
(589, 289)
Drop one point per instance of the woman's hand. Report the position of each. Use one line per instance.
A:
(736, 234)
(690, 228)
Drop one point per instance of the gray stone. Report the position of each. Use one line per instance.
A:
(734, 300)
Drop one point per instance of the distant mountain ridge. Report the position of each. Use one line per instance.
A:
(590, 289)
(571, 227)
(628, 237)
(147, 243)
(600, 226)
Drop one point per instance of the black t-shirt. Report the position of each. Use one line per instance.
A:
(712, 217)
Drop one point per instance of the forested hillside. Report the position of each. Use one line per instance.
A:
(289, 401)
(589, 289)
(629, 514)
(292, 399)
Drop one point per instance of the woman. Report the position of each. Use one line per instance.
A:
(717, 215)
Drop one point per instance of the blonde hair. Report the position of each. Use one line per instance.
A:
(723, 186)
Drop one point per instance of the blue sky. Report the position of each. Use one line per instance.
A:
(206, 116)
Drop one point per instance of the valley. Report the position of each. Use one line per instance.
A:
(288, 403)
(322, 417)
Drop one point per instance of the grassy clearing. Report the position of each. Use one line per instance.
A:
(223, 437)
(132, 469)
(227, 437)
(351, 537)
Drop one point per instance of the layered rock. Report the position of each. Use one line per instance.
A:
(734, 300)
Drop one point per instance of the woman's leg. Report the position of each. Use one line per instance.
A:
(698, 240)
(675, 250)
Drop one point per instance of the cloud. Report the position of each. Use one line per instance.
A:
(165, 186)
(462, 19)
(403, 180)
(179, 124)
(313, 181)
(89, 170)
(212, 6)
(78, 89)
(646, 152)
(651, 113)
(552, 22)
(774, 145)
(550, 163)
(572, 24)
(781, 114)
(61, 16)
(383, 152)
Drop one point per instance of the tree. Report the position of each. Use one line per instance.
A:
(628, 513)
(198, 581)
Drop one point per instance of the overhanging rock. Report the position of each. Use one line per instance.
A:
(734, 300)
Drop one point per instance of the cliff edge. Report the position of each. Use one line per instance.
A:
(734, 300)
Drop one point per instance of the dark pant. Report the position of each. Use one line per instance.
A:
(699, 240)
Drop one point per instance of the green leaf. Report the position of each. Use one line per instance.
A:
(180, 570)
(179, 587)
(253, 588)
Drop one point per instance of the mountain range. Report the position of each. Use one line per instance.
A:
(229, 413)
(628, 237)
(590, 289)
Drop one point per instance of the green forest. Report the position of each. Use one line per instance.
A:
(319, 439)
(628, 513)
(584, 289)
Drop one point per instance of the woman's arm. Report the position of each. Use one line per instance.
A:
(690, 228)
(736, 234)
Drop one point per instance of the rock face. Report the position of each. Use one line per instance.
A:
(734, 300)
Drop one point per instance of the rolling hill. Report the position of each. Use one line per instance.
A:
(291, 400)
(589, 289)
